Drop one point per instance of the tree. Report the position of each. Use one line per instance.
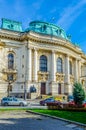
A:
(78, 93)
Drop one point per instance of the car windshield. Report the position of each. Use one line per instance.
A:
(4, 99)
(49, 99)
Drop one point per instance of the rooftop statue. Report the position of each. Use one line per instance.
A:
(47, 29)
(36, 26)
(11, 25)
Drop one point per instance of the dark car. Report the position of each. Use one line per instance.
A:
(47, 100)
(12, 101)
(84, 103)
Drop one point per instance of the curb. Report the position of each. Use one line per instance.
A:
(58, 118)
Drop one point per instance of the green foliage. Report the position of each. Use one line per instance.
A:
(78, 93)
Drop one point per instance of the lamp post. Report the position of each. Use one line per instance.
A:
(9, 87)
(10, 78)
(25, 91)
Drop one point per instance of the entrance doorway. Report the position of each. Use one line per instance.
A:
(59, 88)
(43, 88)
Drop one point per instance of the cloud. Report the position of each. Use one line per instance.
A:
(70, 13)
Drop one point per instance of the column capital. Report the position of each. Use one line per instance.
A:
(35, 49)
(53, 51)
(67, 55)
(30, 48)
(77, 59)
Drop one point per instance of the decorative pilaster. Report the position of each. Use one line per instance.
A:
(29, 64)
(53, 66)
(80, 70)
(76, 70)
(35, 65)
(68, 89)
(67, 70)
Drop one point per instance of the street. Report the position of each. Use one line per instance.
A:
(21, 120)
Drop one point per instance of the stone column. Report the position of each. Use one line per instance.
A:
(67, 70)
(29, 64)
(35, 65)
(79, 70)
(53, 66)
(76, 70)
(67, 76)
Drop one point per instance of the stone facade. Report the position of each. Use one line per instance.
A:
(26, 77)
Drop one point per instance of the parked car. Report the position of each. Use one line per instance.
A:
(84, 103)
(12, 101)
(47, 100)
(71, 104)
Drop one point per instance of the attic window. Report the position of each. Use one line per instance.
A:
(10, 26)
(57, 31)
(60, 31)
(44, 27)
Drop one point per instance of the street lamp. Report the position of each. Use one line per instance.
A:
(9, 88)
(10, 77)
(25, 91)
(10, 80)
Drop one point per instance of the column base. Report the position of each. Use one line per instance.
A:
(68, 89)
(54, 88)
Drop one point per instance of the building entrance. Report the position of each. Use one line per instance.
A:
(59, 88)
(43, 88)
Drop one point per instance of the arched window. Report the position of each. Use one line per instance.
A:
(59, 65)
(70, 67)
(10, 61)
(43, 63)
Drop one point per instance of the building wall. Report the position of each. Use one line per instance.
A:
(27, 52)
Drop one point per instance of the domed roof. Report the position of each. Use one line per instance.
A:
(47, 29)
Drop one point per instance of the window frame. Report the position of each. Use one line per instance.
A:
(10, 61)
(59, 65)
(43, 63)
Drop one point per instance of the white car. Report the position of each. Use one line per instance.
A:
(12, 101)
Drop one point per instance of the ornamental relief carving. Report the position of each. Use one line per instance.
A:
(42, 76)
(60, 77)
(71, 79)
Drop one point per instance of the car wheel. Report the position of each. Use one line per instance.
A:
(5, 104)
(45, 104)
(21, 104)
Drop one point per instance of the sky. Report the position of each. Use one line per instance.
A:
(68, 14)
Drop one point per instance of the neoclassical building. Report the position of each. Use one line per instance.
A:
(41, 59)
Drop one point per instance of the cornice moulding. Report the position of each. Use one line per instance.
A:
(10, 36)
(56, 41)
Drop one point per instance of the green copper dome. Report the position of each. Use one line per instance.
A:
(47, 28)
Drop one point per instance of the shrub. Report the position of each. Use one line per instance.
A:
(79, 94)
